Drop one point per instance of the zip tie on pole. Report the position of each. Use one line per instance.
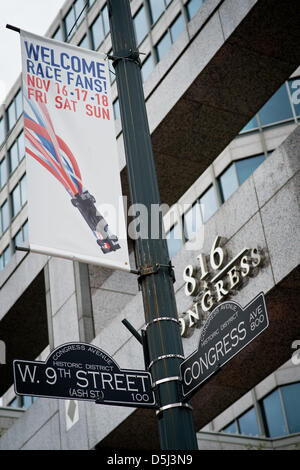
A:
(154, 269)
(132, 57)
(166, 379)
(166, 356)
(173, 405)
(162, 319)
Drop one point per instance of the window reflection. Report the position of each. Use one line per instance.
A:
(248, 423)
(176, 28)
(273, 415)
(278, 108)
(116, 108)
(174, 240)
(140, 25)
(231, 428)
(291, 400)
(4, 257)
(237, 173)
(163, 46)
(97, 32)
(294, 86)
(192, 8)
(84, 42)
(247, 166)
(147, 67)
(156, 9)
(252, 124)
(192, 221)
(3, 173)
(2, 130)
(208, 203)
(4, 217)
(228, 182)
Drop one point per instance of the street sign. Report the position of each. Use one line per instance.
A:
(227, 330)
(81, 371)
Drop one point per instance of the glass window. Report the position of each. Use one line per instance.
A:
(291, 399)
(6, 256)
(177, 27)
(14, 403)
(84, 42)
(156, 9)
(23, 191)
(11, 114)
(247, 166)
(140, 25)
(25, 230)
(21, 145)
(105, 20)
(163, 45)
(19, 196)
(4, 217)
(69, 21)
(15, 110)
(19, 104)
(248, 423)
(18, 239)
(21, 235)
(58, 36)
(116, 106)
(147, 67)
(192, 221)
(278, 108)
(16, 152)
(174, 240)
(252, 124)
(16, 200)
(2, 131)
(79, 6)
(294, 86)
(231, 428)
(13, 156)
(273, 415)
(228, 182)
(26, 402)
(112, 74)
(3, 173)
(208, 203)
(97, 32)
(192, 8)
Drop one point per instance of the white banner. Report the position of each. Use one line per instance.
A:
(73, 179)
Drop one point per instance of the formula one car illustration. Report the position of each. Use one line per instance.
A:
(52, 153)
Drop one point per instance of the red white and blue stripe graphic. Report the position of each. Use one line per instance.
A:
(51, 151)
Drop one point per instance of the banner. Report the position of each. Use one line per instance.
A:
(73, 179)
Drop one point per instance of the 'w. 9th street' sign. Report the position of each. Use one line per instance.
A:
(83, 372)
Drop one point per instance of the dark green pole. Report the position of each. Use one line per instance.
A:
(175, 419)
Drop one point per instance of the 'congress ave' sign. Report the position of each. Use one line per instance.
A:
(227, 330)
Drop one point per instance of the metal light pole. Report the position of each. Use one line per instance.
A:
(175, 419)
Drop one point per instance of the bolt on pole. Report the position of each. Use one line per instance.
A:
(175, 418)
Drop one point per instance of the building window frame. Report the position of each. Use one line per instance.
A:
(20, 198)
(14, 110)
(169, 36)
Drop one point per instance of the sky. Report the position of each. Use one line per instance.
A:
(32, 15)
